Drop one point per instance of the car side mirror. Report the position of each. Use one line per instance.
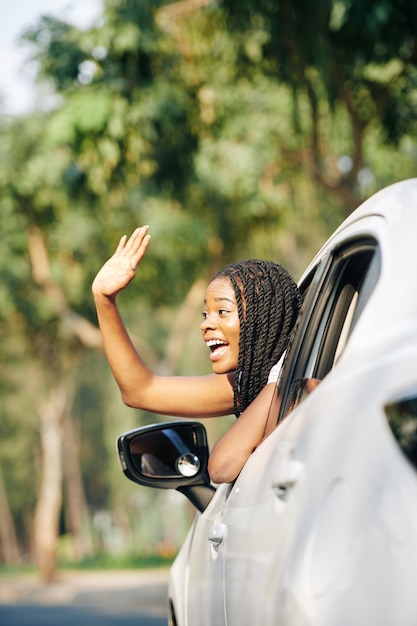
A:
(169, 455)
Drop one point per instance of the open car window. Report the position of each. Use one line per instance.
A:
(335, 294)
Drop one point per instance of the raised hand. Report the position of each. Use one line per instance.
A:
(120, 269)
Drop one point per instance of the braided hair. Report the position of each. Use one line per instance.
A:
(268, 303)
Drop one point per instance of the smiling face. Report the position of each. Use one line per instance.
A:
(221, 326)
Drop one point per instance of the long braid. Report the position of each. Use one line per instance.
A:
(268, 303)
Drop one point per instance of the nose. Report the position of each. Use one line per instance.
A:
(208, 323)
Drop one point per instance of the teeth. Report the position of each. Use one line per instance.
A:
(215, 342)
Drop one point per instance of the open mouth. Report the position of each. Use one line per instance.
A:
(216, 344)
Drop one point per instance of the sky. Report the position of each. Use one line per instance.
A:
(16, 86)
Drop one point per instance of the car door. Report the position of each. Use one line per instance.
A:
(261, 512)
(204, 555)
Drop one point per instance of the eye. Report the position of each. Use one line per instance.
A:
(204, 315)
(223, 311)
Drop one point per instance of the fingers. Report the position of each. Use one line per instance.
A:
(120, 269)
(131, 246)
(134, 248)
(121, 244)
(135, 240)
(138, 236)
(137, 244)
(140, 253)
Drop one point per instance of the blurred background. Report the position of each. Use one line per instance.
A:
(236, 129)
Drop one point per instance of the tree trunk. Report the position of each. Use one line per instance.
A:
(8, 543)
(46, 520)
(76, 508)
(48, 507)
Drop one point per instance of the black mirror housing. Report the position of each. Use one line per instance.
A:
(168, 455)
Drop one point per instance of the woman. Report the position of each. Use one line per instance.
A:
(249, 311)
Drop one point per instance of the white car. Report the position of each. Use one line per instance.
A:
(320, 527)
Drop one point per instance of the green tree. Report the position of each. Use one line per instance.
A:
(348, 58)
(234, 130)
(40, 283)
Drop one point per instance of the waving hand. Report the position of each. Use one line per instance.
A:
(120, 269)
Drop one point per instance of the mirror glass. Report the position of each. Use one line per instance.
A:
(188, 464)
(167, 452)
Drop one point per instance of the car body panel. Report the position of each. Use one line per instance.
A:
(320, 527)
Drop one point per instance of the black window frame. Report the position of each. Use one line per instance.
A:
(349, 271)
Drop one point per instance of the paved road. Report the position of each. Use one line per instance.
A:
(135, 598)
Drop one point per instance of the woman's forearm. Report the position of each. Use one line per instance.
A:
(231, 452)
(129, 370)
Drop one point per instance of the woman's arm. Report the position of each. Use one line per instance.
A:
(195, 396)
(231, 452)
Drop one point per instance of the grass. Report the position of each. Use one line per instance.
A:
(96, 563)
(107, 562)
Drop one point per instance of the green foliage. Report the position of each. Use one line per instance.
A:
(56, 49)
(355, 55)
(240, 129)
